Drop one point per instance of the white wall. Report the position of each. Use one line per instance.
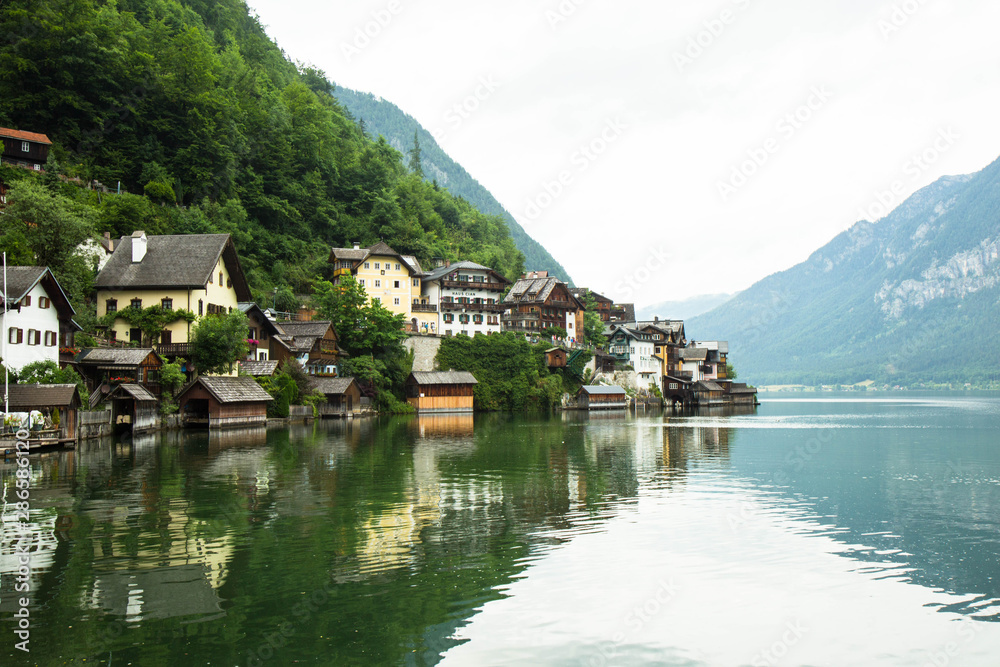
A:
(31, 317)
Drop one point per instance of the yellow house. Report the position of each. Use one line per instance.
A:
(196, 272)
(391, 278)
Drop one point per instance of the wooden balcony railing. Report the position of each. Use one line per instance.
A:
(173, 349)
(468, 284)
(424, 308)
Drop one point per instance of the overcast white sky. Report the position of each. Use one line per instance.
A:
(641, 216)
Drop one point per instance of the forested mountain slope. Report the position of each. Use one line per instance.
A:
(910, 299)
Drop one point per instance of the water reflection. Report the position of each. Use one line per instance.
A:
(423, 533)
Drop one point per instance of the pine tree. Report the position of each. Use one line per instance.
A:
(415, 165)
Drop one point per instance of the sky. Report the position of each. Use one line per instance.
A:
(662, 150)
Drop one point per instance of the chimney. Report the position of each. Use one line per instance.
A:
(357, 245)
(138, 246)
(108, 243)
(447, 263)
(656, 318)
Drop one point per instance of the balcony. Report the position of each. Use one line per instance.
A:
(468, 284)
(173, 349)
(424, 308)
(485, 307)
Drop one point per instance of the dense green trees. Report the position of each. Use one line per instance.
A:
(189, 103)
(219, 341)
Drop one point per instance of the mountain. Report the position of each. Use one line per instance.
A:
(911, 299)
(684, 309)
(380, 117)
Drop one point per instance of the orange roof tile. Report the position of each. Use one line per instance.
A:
(25, 136)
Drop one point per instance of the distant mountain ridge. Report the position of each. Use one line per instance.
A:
(383, 117)
(913, 298)
(683, 309)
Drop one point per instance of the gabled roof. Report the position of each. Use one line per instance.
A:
(259, 368)
(599, 389)
(694, 354)
(536, 290)
(331, 386)
(135, 391)
(442, 271)
(299, 337)
(631, 333)
(443, 377)
(414, 264)
(176, 261)
(250, 308)
(706, 386)
(113, 356)
(225, 389)
(24, 397)
(8, 133)
(381, 248)
(22, 279)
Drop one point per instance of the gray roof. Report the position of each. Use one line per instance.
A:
(300, 337)
(380, 248)
(330, 386)
(580, 292)
(444, 377)
(349, 253)
(535, 290)
(694, 354)
(22, 279)
(113, 356)
(178, 261)
(706, 386)
(414, 264)
(259, 368)
(226, 389)
(595, 389)
(442, 271)
(136, 391)
(24, 397)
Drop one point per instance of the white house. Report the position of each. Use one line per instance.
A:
(638, 349)
(694, 361)
(37, 319)
(464, 297)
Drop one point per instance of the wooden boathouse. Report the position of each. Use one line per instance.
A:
(343, 396)
(600, 397)
(223, 402)
(441, 391)
(133, 408)
(47, 399)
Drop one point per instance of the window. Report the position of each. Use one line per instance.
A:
(362, 282)
(51, 339)
(397, 267)
(464, 319)
(478, 319)
(136, 303)
(448, 318)
(378, 283)
(377, 266)
(395, 284)
(673, 385)
(211, 278)
(416, 282)
(26, 301)
(229, 282)
(396, 301)
(34, 336)
(25, 147)
(167, 304)
(44, 302)
(135, 335)
(383, 272)
(111, 306)
(201, 307)
(165, 337)
(368, 265)
(15, 336)
(220, 278)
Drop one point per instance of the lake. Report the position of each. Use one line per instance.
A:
(820, 529)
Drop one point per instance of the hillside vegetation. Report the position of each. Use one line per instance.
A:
(208, 127)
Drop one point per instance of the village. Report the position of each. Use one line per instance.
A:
(199, 276)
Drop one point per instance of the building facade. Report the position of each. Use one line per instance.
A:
(636, 348)
(536, 304)
(394, 280)
(38, 318)
(200, 273)
(460, 298)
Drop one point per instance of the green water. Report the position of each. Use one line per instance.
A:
(814, 532)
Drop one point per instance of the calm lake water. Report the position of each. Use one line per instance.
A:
(817, 531)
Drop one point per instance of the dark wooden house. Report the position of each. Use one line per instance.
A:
(133, 408)
(106, 367)
(24, 149)
(313, 344)
(343, 396)
(223, 402)
(600, 397)
(536, 304)
(260, 330)
(555, 357)
(441, 391)
(708, 393)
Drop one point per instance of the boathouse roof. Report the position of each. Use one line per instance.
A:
(444, 377)
(226, 389)
(134, 391)
(600, 389)
(331, 386)
(24, 397)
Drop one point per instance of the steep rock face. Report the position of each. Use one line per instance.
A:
(884, 300)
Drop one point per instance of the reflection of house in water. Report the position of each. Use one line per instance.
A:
(444, 425)
(161, 592)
